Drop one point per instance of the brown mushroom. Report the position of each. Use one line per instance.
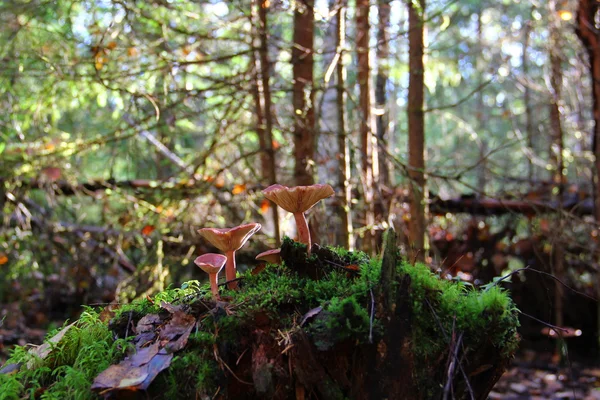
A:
(270, 256)
(229, 241)
(212, 264)
(298, 200)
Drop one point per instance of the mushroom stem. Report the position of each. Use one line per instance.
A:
(230, 269)
(213, 285)
(303, 231)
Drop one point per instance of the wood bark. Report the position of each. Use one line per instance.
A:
(333, 151)
(303, 93)
(527, 97)
(344, 171)
(381, 82)
(369, 165)
(556, 82)
(265, 127)
(480, 112)
(416, 127)
(589, 35)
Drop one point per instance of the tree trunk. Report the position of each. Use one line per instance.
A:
(368, 166)
(264, 113)
(590, 37)
(416, 128)
(344, 171)
(381, 81)
(332, 147)
(556, 82)
(527, 98)
(303, 94)
(480, 113)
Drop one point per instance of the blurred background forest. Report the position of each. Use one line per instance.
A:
(468, 126)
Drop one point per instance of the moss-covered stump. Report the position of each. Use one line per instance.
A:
(332, 325)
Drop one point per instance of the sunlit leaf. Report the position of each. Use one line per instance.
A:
(148, 229)
(264, 206)
(238, 189)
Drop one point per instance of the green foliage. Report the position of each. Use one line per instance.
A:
(67, 372)
(193, 370)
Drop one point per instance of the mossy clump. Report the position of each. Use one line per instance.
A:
(444, 309)
(280, 300)
(67, 372)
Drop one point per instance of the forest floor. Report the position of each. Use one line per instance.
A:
(530, 377)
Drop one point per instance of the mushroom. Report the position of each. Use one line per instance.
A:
(297, 200)
(229, 241)
(270, 256)
(212, 264)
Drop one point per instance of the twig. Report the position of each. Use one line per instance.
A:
(462, 370)
(372, 316)
(342, 267)
(549, 325)
(528, 268)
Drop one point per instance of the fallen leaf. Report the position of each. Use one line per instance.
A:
(148, 323)
(311, 314)
(44, 350)
(134, 373)
(352, 267)
(138, 371)
(10, 369)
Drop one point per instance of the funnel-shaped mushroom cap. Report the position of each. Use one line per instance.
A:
(270, 256)
(297, 199)
(210, 263)
(229, 239)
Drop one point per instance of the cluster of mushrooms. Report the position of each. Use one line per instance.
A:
(296, 200)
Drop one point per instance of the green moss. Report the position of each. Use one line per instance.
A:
(193, 371)
(68, 371)
(442, 307)
(341, 319)
(284, 297)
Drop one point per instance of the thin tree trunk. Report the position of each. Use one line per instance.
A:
(416, 127)
(332, 146)
(366, 127)
(303, 93)
(264, 114)
(527, 97)
(480, 113)
(381, 81)
(344, 171)
(590, 37)
(556, 82)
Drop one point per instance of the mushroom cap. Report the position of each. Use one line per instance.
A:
(211, 263)
(298, 198)
(271, 256)
(229, 239)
